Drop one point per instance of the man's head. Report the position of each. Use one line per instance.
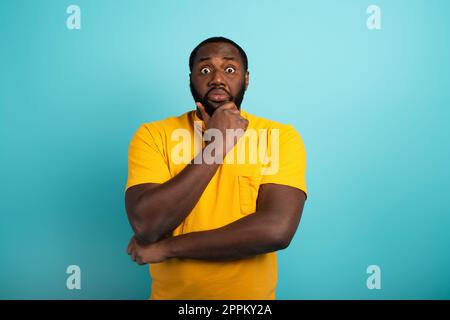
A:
(219, 73)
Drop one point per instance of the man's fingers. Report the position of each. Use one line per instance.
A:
(130, 246)
(140, 261)
(229, 106)
(203, 112)
(231, 111)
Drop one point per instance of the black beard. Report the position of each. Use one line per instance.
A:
(208, 106)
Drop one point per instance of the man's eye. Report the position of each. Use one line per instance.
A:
(205, 70)
(230, 70)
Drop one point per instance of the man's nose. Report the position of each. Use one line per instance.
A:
(217, 79)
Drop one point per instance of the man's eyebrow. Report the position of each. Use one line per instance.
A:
(209, 58)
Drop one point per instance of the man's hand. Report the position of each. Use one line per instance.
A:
(227, 116)
(143, 254)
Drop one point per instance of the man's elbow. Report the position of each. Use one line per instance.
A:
(143, 231)
(147, 234)
(144, 226)
(145, 237)
(282, 239)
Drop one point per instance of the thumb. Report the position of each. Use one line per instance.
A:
(203, 112)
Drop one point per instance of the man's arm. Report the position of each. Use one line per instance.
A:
(155, 210)
(270, 228)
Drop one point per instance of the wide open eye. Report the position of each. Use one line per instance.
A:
(230, 70)
(205, 70)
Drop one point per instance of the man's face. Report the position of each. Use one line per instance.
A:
(218, 76)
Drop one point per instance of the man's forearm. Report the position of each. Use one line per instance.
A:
(157, 211)
(161, 209)
(254, 234)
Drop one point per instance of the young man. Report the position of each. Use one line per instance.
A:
(213, 193)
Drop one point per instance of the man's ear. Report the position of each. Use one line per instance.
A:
(247, 79)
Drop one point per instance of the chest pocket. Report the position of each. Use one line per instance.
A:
(248, 192)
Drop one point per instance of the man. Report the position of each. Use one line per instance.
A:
(209, 226)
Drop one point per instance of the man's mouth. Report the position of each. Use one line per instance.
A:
(218, 95)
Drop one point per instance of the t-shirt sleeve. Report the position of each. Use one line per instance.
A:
(291, 161)
(146, 157)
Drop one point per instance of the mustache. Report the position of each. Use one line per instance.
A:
(218, 88)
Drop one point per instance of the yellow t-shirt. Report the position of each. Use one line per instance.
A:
(230, 195)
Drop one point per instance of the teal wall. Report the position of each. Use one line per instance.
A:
(372, 107)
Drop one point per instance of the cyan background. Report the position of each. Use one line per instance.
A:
(372, 108)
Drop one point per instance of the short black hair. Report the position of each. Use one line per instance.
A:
(218, 39)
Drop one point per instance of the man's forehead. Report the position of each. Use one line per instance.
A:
(221, 50)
